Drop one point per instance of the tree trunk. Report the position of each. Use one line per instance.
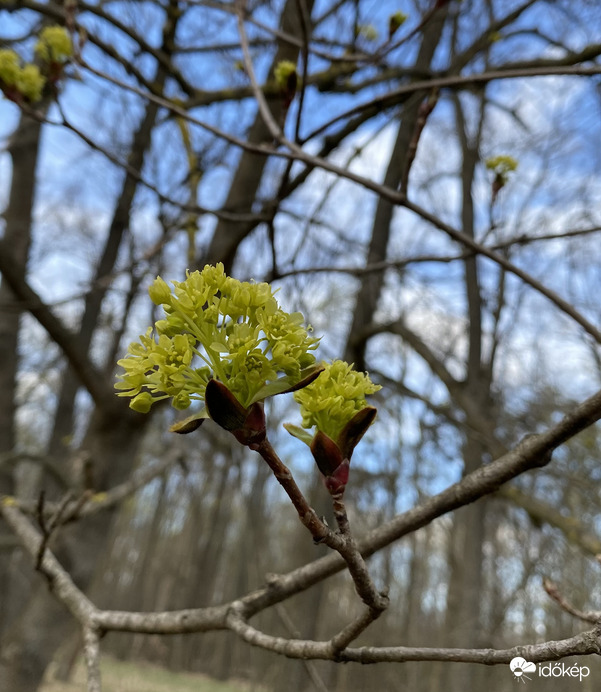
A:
(245, 184)
(23, 148)
(463, 617)
(368, 294)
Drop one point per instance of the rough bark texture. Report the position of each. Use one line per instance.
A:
(23, 149)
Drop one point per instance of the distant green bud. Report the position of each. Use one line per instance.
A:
(54, 44)
(285, 73)
(395, 21)
(9, 67)
(30, 83)
(501, 166)
(368, 32)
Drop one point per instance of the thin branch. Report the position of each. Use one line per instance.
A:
(571, 527)
(347, 635)
(465, 240)
(264, 109)
(390, 99)
(553, 591)
(583, 644)
(90, 504)
(295, 152)
(586, 643)
(342, 543)
(533, 452)
(61, 583)
(320, 532)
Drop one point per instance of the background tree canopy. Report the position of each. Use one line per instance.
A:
(422, 181)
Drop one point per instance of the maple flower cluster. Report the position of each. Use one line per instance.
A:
(15, 78)
(26, 80)
(334, 404)
(216, 327)
(334, 398)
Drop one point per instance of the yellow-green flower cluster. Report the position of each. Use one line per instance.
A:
(502, 165)
(235, 331)
(26, 80)
(333, 399)
(54, 44)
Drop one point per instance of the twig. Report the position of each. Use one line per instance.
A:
(376, 601)
(61, 583)
(88, 504)
(341, 641)
(49, 526)
(272, 126)
(308, 516)
(234, 616)
(533, 452)
(551, 588)
(342, 543)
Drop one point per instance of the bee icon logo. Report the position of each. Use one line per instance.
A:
(520, 666)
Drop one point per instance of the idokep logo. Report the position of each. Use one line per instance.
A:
(520, 666)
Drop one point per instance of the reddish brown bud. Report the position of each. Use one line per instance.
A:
(252, 432)
(336, 483)
(326, 453)
(354, 430)
(223, 406)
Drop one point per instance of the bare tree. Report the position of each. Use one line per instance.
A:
(423, 188)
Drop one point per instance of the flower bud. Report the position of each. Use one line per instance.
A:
(142, 402)
(159, 292)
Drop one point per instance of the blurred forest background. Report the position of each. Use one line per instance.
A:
(150, 155)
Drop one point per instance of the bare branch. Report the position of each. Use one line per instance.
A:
(91, 650)
(61, 583)
(92, 379)
(588, 616)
